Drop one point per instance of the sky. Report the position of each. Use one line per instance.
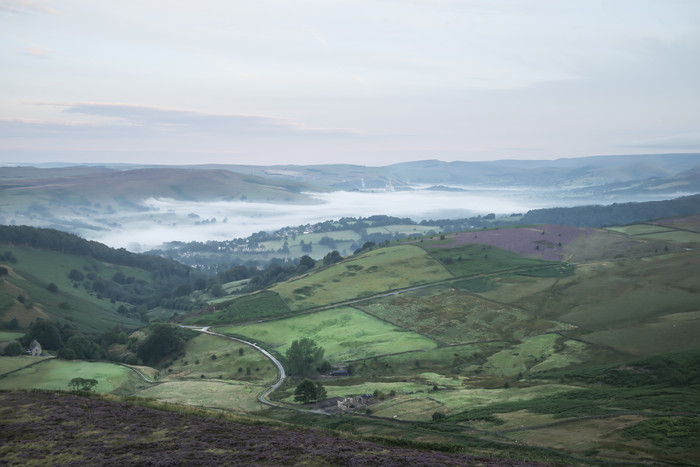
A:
(364, 82)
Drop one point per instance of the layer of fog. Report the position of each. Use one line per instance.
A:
(169, 220)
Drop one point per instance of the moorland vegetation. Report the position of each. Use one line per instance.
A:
(540, 342)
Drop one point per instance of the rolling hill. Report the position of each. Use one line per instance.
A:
(549, 342)
(515, 338)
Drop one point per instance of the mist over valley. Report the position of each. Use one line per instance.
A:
(141, 208)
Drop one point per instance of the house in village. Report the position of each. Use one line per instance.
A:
(35, 349)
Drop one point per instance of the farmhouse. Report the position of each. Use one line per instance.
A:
(35, 349)
(351, 403)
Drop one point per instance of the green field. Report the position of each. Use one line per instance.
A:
(669, 333)
(450, 361)
(535, 354)
(55, 374)
(639, 229)
(344, 333)
(236, 397)
(676, 236)
(468, 260)
(421, 405)
(613, 294)
(371, 273)
(403, 229)
(260, 305)
(454, 317)
(8, 364)
(223, 359)
(6, 336)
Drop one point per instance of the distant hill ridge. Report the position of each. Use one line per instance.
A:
(614, 214)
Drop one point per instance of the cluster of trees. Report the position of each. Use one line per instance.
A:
(308, 391)
(137, 292)
(168, 287)
(68, 343)
(82, 384)
(162, 341)
(276, 271)
(303, 359)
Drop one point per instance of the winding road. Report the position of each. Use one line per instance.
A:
(280, 369)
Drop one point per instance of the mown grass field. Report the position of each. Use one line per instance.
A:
(227, 395)
(374, 272)
(8, 364)
(53, 374)
(345, 334)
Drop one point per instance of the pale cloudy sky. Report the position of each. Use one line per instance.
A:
(366, 82)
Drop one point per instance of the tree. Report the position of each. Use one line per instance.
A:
(46, 333)
(82, 384)
(162, 341)
(13, 348)
(307, 261)
(76, 275)
(320, 392)
(307, 391)
(332, 258)
(303, 357)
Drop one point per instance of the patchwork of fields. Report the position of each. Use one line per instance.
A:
(475, 336)
(345, 334)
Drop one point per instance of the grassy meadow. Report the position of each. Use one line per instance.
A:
(210, 357)
(227, 395)
(53, 374)
(11, 364)
(260, 305)
(7, 336)
(595, 359)
(371, 273)
(345, 334)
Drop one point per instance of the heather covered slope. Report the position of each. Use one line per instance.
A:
(61, 429)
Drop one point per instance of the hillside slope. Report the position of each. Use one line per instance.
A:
(59, 276)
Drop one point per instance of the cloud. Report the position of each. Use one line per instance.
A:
(24, 6)
(36, 52)
(167, 119)
(104, 120)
